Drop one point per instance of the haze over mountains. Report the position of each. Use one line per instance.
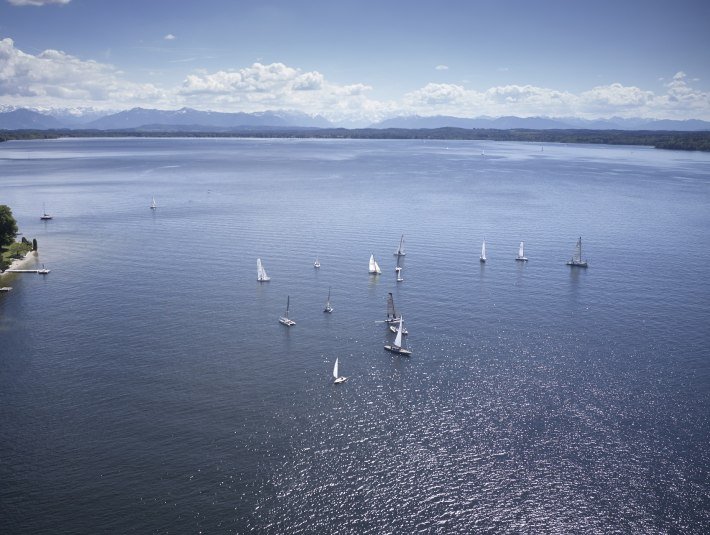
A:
(187, 119)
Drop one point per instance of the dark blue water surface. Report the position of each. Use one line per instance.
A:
(146, 385)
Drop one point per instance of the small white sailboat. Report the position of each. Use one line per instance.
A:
(392, 316)
(328, 308)
(397, 347)
(576, 259)
(399, 275)
(285, 319)
(261, 275)
(374, 269)
(483, 251)
(521, 253)
(316, 264)
(153, 204)
(338, 379)
(400, 249)
(43, 271)
(45, 216)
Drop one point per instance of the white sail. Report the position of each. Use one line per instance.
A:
(398, 338)
(483, 251)
(261, 275)
(400, 249)
(153, 204)
(521, 250)
(374, 267)
(335, 369)
(577, 257)
(328, 308)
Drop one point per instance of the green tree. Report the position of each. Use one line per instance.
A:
(8, 226)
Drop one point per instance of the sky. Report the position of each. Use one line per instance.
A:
(356, 62)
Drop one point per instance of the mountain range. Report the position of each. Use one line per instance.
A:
(188, 119)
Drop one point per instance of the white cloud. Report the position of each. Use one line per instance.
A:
(37, 2)
(442, 67)
(169, 37)
(56, 79)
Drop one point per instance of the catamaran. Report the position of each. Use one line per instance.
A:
(576, 259)
(400, 249)
(316, 264)
(328, 308)
(285, 319)
(374, 268)
(261, 275)
(45, 216)
(396, 347)
(338, 379)
(483, 251)
(521, 253)
(153, 204)
(392, 316)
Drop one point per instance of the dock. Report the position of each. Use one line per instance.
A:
(40, 271)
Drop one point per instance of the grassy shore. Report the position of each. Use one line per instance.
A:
(15, 254)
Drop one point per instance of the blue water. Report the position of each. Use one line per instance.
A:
(146, 385)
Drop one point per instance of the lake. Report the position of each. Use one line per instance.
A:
(147, 386)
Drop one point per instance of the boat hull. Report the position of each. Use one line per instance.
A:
(287, 322)
(521, 258)
(340, 380)
(398, 350)
(577, 264)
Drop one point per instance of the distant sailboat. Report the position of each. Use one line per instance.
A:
(374, 268)
(399, 275)
(285, 319)
(261, 275)
(45, 216)
(521, 252)
(328, 308)
(396, 347)
(338, 379)
(400, 249)
(576, 259)
(392, 316)
(153, 204)
(316, 264)
(483, 251)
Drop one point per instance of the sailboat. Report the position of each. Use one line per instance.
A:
(285, 319)
(399, 275)
(261, 275)
(392, 316)
(576, 259)
(483, 251)
(338, 379)
(521, 253)
(316, 264)
(400, 249)
(374, 268)
(153, 204)
(396, 347)
(45, 216)
(328, 308)
(43, 271)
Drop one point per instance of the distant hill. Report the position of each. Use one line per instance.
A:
(541, 123)
(24, 119)
(140, 117)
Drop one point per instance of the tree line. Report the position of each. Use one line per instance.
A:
(675, 140)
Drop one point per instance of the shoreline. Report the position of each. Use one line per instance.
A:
(19, 262)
